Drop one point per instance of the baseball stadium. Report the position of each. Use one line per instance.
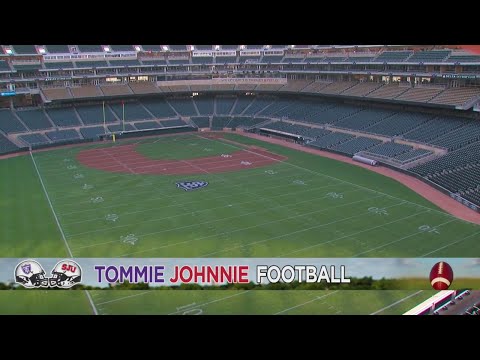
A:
(293, 151)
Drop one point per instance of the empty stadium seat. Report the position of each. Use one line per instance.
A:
(63, 135)
(93, 114)
(9, 124)
(6, 145)
(63, 117)
(34, 139)
(35, 119)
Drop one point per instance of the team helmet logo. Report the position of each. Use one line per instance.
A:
(30, 274)
(191, 185)
(66, 274)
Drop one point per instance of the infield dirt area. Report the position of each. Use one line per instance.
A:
(125, 159)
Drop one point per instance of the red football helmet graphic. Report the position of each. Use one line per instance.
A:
(65, 274)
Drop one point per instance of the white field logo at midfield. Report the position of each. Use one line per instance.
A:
(302, 273)
(191, 185)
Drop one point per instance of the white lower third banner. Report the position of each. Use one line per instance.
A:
(102, 272)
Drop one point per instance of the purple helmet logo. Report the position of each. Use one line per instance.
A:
(27, 268)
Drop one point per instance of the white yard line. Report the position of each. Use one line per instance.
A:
(51, 206)
(398, 240)
(109, 188)
(343, 181)
(241, 292)
(305, 303)
(203, 209)
(124, 297)
(248, 191)
(208, 222)
(127, 194)
(60, 227)
(174, 197)
(202, 223)
(349, 235)
(236, 230)
(396, 302)
(452, 243)
(291, 233)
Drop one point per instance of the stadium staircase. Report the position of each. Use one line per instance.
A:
(147, 111)
(233, 107)
(190, 122)
(14, 112)
(173, 108)
(78, 116)
(262, 124)
(49, 119)
(196, 108)
(409, 56)
(251, 103)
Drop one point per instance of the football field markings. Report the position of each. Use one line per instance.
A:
(397, 240)
(396, 302)
(124, 297)
(241, 292)
(201, 201)
(242, 186)
(428, 229)
(60, 172)
(103, 158)
(306, 302)
(370, 190)
(349, 235)
(232, 231)
(452, 243)
(60, 227)
(343, 181)
(213, 221)
(292, 233)
(136, 194)
(106, 187)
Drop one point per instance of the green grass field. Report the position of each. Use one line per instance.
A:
(212, 302)
(306, 206)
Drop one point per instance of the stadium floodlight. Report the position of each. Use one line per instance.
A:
(292, 46)
(41, 50)
(9, 51)
(217, 47)
(106, 48)
(191, 47)
(164, 47)
(137, 48)
(242, 47)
